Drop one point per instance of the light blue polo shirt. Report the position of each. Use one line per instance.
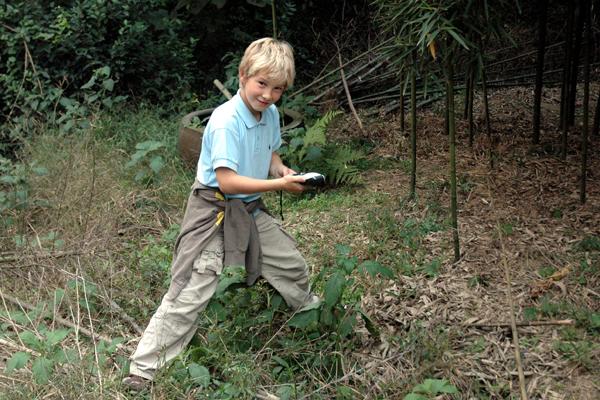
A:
(233, 138)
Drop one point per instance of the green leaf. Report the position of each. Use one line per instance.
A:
(108, 84)
(432, 269)
(530, 313)
(415, 396)
(41, 369)
(326, 316)
(156, 164)
(343, 250)
(458, 38)
(61, 356)
(435, 387)
(595, 320)
(17, 361)
(104, 71)
(149, 145)
(107, 102)
(89, 84)
(140, 176)
(373, 268)
(347, 325)
(280, 361)
(305, 320)
(55, 337)
(216, 310)
(348, 264)
(334, 288)
(231, 275)
(135, 158)
(296, 142)
(92, 98)
(31, 340)
(369, 324)
(199, 374)
(40, 171)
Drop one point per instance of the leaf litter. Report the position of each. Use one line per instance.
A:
(530, 201)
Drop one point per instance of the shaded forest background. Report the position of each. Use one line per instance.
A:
(169, 52)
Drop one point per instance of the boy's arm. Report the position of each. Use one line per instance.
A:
(232, 183)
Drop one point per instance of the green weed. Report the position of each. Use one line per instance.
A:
(15, 186)
(430, 389)
(147, 162)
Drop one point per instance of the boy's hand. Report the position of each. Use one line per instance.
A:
(279, 171)
(293, 183)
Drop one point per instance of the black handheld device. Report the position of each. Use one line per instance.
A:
(312, 178)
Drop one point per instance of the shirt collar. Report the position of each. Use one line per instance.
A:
(245, 113)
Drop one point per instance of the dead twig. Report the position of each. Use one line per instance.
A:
(18, 347)
(347, 90)
(122, 313)
(89, 314)
(513, 322)
(522, 323)
(60, 320)
(55, 254)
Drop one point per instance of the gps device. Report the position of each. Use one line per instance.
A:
(312, 178)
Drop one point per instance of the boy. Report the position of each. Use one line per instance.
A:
(225, 222)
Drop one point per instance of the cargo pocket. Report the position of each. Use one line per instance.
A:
(209, 261)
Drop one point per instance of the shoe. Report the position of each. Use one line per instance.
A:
(136, 383)
(312, 302)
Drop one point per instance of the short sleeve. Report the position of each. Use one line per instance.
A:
(225, 149)
(276, 143)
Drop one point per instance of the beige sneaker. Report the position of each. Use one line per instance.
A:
(312, 302)
(136, 383)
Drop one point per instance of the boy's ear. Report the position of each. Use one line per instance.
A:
(241, 76)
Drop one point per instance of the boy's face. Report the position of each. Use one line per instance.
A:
(259, 92)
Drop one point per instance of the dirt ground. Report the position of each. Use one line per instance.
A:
(534, 195)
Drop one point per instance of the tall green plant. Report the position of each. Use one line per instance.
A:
(340, 308)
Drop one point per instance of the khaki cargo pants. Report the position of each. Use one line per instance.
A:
(174, 323)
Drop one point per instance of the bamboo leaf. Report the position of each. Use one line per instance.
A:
(458, 38)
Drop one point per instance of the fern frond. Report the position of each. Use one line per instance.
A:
(316, 134)
(340, 166)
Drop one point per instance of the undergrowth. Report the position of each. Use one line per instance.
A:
(88, 227)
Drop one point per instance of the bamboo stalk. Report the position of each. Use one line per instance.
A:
(539, 82)
(586, 100)
(413, 126)
(450, 112)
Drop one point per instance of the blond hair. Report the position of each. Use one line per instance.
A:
(273, 57)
